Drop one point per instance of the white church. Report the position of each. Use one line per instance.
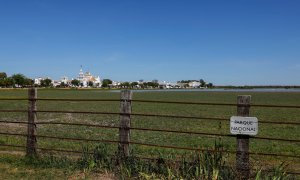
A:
(86, 79)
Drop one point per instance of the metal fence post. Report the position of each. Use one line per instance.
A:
(125, 118)
(242, 151)
(31, 148)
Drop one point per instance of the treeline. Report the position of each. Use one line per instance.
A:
(16, 80)
(140, 84)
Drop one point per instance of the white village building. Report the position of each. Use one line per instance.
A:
(86, 78)
(194, 84)
(168, 85)
(65, 80)
(38, 80)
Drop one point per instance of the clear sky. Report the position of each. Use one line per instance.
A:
(245, 42)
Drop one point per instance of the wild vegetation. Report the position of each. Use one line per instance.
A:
(100, 164)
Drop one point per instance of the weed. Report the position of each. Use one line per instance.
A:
(86, 162)
(276, 173)
(102, 157)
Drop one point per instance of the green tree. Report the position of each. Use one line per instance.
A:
(2, 82)
(145, 84)
(106, 82)
(152, 84)
(133, 84)
(202, 83)
(63, 85)
(3, 75)
(75, 82)
(8, 82)
(19, 80)
(46, 82)
(29, 82)
(210, 85)
(125, 85)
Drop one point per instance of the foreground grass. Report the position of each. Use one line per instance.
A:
(184, 140)
(47, 167)
(16, 167)
(102, 165)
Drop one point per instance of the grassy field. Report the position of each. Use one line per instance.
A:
(184, 140)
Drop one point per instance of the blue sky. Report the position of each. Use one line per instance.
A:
(245, 42)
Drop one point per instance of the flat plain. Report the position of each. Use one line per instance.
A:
(159, 138)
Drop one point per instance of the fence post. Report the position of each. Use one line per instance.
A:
(124, 130)
(242, 151)
(31, 128)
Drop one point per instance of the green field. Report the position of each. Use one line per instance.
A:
(161, 138)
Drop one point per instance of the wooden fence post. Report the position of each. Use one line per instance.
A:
(125, 118)
(31, 148)
(242, 150)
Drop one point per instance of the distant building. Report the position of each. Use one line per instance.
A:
(115, 83)
(64, 80)
(168, 85)
(55, 83)
(194, 84)
(87, 78)
(37, 81)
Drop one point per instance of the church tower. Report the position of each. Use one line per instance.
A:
(81, 75)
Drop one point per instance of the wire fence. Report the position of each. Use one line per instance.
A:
(124, 130)
(147, 144)
(150, 115)
(151, 129)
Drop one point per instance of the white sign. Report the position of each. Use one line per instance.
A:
(243, 125)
